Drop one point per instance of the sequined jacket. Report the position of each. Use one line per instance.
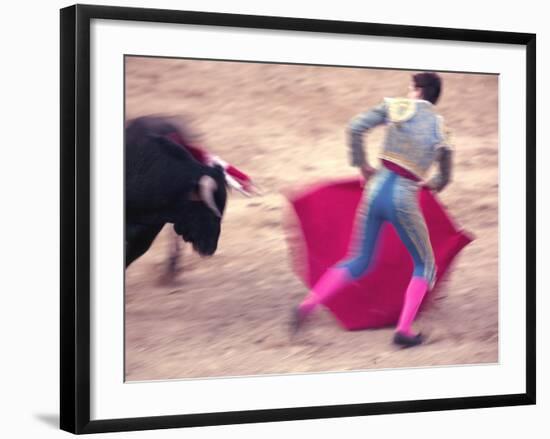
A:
(415, 134)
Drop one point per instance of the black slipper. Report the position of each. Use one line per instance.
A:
(407, 341)
(297, 320)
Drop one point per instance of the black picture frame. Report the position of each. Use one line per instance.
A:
(75, 217)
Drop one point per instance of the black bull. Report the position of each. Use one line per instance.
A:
(164, 184)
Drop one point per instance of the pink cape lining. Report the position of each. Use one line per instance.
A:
(319, 235)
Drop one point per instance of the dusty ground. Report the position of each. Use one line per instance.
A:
(228, 315)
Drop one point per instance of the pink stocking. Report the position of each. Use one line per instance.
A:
(330, 283)
(413, 298)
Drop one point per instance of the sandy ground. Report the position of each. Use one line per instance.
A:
(285, 125)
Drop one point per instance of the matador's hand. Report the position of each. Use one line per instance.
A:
(435, 184)
(367, 171)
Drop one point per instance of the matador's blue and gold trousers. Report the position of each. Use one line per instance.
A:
(393, 198)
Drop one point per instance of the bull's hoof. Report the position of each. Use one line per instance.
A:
(407, 341)
(172, 266)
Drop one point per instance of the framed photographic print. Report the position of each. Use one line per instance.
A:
(275, 218)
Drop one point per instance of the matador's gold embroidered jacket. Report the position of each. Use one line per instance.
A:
(415, 134)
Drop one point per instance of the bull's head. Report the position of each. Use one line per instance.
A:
(201, 221)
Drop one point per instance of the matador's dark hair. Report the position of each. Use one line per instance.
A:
(430, 83)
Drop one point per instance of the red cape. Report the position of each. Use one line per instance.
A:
(319, 235)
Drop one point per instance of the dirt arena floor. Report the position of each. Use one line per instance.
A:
(285, 126)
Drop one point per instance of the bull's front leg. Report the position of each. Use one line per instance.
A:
(138, 240)
(176, 253)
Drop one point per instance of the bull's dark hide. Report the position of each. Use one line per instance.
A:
(161, 183)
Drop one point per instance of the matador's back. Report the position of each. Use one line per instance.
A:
(414, 134)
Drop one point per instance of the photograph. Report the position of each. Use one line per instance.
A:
(288, 218)
(270, 218)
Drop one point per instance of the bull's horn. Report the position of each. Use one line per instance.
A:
(207, 187)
